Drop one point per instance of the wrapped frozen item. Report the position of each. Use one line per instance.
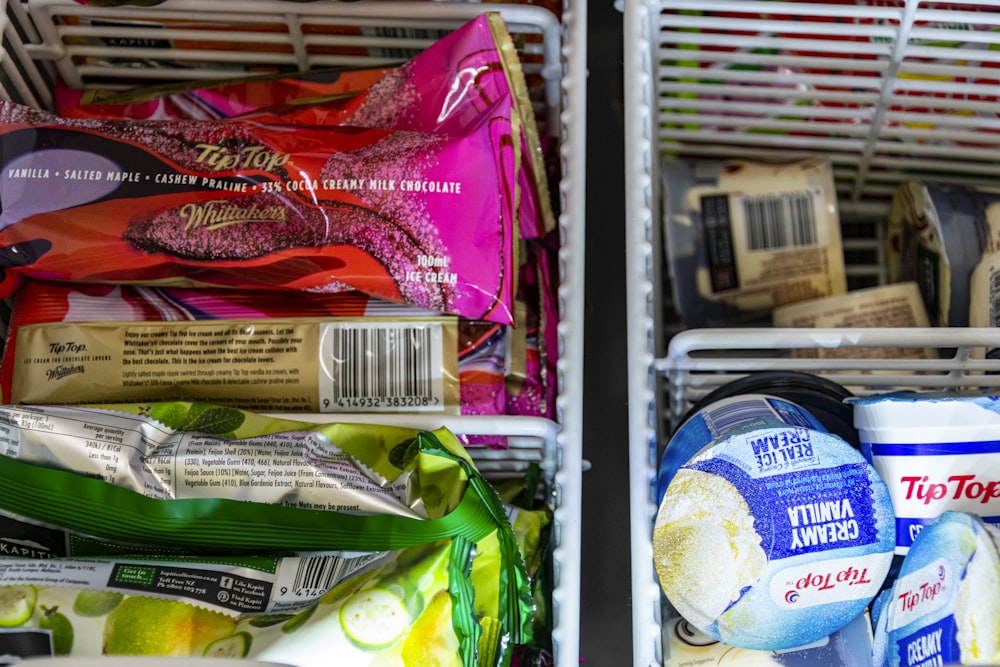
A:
(234, 204)
(390, 194)
(773, 533)
(212, 100)
(937, 235)
(743, 238)
(478, 59)
(251, 349)
(944, 608)
(894, 305)
(984, 283)
(293, 538)
(936, 451)
(531, 384)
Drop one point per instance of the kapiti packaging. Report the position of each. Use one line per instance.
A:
(937, 234)
(936, 451)
(743, 238)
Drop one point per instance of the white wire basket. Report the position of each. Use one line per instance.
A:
(886, 90)
(120, 46)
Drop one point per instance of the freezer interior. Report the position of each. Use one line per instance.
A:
(118, 47)
(887, 92)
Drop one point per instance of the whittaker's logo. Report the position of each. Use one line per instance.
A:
(61, 371)
(220, 213)
(247, 157)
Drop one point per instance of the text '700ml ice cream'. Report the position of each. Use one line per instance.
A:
(774, 533)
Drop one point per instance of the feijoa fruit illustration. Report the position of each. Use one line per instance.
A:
(234, 646)
(155, 626)
(17, 604)
(61, 628)
(92, 604)
(374, 618)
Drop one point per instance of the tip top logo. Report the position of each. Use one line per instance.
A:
(220, 158)
(791, 597)
(924, 594)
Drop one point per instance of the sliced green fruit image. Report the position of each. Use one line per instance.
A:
(431, 640)
(234, 646)
(62, 629)
(96, 603)
(267, 620)
(153, 626)
(373, 619)
(297, 621)
(17, 604)
(349, 586)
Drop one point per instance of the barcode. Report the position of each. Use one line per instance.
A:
(319, 573)
(779, 221)
(724, 417)
(383, 366)
(995, 299)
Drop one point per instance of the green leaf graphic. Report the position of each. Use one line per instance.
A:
(213, 419)
(173, 415)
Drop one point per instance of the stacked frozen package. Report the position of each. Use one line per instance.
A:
(182, 259)
(187, 529)
(776, 538)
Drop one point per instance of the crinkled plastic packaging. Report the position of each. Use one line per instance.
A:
(251, 349)
(230, 204)
(213, 100)
(944, 607)
(244, 535)
(236, 203)
(478, 58)
(417, 96)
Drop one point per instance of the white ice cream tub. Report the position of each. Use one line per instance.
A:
(936, 451)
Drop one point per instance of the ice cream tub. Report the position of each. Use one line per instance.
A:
(944, 608)
(684, 646)
(936, 451)
(773, 533)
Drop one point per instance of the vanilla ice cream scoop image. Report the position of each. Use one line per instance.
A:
(705, 546)
(977, 606)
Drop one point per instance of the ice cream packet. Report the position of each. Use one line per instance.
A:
(944, 608)
(262, 521)
(239, 204)
(250, 349)
(531, 383)
(478, 58)
(201, 100)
